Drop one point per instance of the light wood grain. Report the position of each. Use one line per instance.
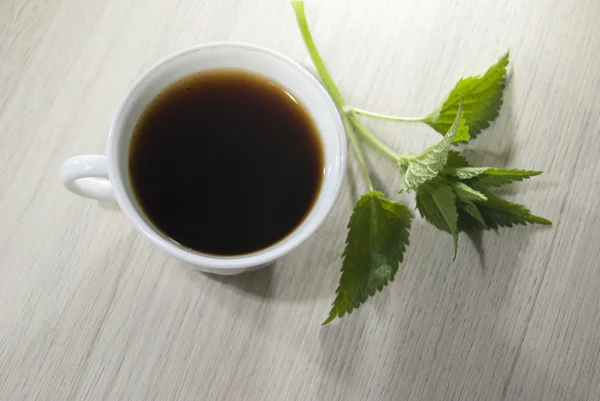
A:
(89, 310)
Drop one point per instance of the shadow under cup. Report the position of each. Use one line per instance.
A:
(242, 57)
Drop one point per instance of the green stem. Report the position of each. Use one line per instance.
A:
(372, 139)
(331, 87)
(387, 117)
(359, 154)
(316, 57)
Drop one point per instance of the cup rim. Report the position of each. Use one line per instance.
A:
(260, 257)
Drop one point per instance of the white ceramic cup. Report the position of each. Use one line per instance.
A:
(107, 177)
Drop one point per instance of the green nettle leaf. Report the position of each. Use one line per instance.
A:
(462, 132)
(488, 176)
(469, 217)
(456, 160)
(481, 100)
(464, 173)
(377, 238)
(436, 202)
(479, 208)
(493, 177)
(466, 193)
(431, 162)
(498, 212)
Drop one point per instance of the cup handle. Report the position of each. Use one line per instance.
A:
(87, 176)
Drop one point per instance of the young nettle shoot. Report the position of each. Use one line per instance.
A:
(450, 193)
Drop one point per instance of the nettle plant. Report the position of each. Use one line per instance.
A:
(451, 194)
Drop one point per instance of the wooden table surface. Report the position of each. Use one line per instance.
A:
(90, 310)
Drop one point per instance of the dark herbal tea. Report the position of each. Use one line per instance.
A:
(225, 162)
